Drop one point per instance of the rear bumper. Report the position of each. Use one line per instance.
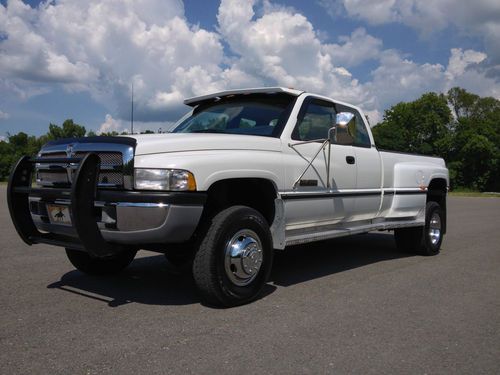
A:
(103, 222)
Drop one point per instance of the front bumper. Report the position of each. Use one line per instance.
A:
(103, 222)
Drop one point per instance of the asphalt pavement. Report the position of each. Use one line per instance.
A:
(352, 305)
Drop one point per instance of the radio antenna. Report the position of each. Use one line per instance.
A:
(132, 111)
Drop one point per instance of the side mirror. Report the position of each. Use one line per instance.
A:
(343, 118)
(341, 121)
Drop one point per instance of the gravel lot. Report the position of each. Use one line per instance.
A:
(352, 305)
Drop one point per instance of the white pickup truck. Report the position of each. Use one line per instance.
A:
(245, 172)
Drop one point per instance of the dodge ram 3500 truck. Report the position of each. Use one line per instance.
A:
(244, 173)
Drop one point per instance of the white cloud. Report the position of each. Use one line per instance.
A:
(465, 70)
(400, 79)
(282, 48)
(29, 55)
(111, 125)
(4, 115)
(425, 16)
(103, 46)
(355, 48)
(480, 17)
(460, 60)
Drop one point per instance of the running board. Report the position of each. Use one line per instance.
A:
(298, 239)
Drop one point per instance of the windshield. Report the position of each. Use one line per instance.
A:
(263, 115)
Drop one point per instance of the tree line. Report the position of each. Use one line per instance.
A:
(17, 145)
(461, 127)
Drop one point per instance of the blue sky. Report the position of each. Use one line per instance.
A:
(71, 59)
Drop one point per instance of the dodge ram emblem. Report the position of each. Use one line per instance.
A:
(69, 151)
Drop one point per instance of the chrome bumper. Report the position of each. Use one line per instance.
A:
(131, 223)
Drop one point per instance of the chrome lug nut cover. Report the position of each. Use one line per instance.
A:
(435, 228)
(243, 257)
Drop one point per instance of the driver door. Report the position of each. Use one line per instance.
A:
(313, 197)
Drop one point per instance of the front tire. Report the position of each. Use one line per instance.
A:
(235, 257)
(423, 240)
(100, 266)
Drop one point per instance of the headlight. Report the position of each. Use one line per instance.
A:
(164, 179)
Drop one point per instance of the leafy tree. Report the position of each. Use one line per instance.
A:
(461, 127)
(68, 130)
(7, 159)
(109, 134)
(476, 140)
(421, 126)
(461, 101)
(21, 144)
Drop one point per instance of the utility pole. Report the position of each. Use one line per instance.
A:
(132, 111)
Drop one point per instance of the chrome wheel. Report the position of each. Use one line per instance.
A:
(435, 228)
(243, 257)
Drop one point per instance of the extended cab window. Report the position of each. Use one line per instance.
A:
(244, 114)
(314, 121)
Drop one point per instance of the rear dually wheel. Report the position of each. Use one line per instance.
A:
(424, 240)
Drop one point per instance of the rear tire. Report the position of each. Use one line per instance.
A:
(235, 257)
(100, 266)
(424, 240)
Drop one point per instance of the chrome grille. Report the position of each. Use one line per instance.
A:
(113, 178)
(107, 158)
(54, 155)
(60, 174)
(52, 177)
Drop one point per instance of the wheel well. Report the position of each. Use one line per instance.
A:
(436, 192)
(258, 193)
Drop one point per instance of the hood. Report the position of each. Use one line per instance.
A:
(183, 142)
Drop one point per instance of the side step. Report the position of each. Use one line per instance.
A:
(302, 238)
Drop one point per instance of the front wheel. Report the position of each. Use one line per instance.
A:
(100, 266)
(423, 240)
(235, 257)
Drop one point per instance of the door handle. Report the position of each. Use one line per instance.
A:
(350, 159)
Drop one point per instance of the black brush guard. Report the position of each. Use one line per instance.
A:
(82, 196)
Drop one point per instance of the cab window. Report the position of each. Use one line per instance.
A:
(315, 120)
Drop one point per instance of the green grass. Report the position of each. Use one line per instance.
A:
(472, 193)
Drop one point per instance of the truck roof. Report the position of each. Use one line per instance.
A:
(258, 90)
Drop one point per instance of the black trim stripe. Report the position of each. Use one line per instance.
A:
(326, 195)
(410, 192)
(350, 194)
